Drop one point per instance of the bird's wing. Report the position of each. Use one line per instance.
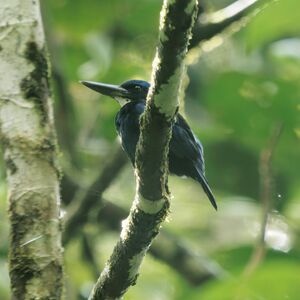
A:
(186, 156)
(185, 145)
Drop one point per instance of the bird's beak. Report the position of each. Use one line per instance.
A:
(106, 89)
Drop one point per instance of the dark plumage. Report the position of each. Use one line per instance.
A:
(185, 151)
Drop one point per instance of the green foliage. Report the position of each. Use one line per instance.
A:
(277, 280)
(277, 19)
(250, 108)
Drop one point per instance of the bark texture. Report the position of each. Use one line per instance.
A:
(29, 146)
(151, 203)
(169, 249)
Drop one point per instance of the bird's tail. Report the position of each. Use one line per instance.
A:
(202, 180)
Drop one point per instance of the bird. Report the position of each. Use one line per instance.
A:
(186, 157)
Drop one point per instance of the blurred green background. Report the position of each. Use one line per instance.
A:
(243, 93)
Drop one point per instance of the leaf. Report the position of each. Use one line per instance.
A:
(275, 20)
(272, 281)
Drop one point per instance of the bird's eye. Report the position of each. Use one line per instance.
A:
(137, 88)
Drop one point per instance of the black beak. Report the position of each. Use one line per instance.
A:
(106, 89)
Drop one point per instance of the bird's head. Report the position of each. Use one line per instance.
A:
(131, 90)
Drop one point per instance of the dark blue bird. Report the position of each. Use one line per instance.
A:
(185, 151)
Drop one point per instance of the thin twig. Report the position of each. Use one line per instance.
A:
(88, 253)
(266, 192)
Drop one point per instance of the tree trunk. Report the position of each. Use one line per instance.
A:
(29, 146)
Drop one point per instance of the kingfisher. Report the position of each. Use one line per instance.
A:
(186, 156)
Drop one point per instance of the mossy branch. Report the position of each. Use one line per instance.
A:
(169, 249)
(151, 203)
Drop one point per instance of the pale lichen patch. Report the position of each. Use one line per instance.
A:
(149, 206)
(167, 100)
(163, 14)
(135, 263)
(125, 229)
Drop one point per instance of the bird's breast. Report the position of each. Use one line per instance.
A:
(128, 128)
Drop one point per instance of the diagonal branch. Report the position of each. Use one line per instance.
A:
(209, 25)
(152, 197)
(80, 208)
(169, 249)
(166, 248)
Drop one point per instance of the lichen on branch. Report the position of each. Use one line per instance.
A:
(151, 203)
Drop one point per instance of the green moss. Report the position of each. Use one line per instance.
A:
(11, 166)
(4, 141)
(23, 265)
(142, 228)
(44, 150)
(152, 154)
(35, 86)
(49, 145)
